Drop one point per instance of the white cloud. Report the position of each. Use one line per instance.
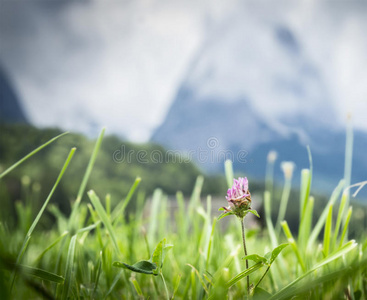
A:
(120, 63)
(243, 60)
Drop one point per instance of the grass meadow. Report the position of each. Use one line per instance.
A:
(104, 251)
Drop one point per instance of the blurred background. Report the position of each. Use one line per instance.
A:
(208, 80)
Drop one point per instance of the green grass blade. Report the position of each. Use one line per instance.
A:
(51, 246)
(336, 254)
(94, 217)
(120, 208)
(137, 287)
(339, 219)
(139, 209)
(108, 205)
(176, 286)
(200, 279)
(86, 178)
(98, 273)
(320, 223)
(344, 250)
(348, 159)
(59, 258)
(293, 244)
(305, 229)
(194, 204)
(360, 186)
(306, 179)
(227, 262)
(327, 231)
(345, 229)
(228, 168)
(309, 286)
(38, 217)
(181, 215)
(89, 228)
(210, 243)
(154, 210)
(310, 161)
(69, 268)
(115, 281)
(193, 285)
(269, 223)
(12, 167)
(163, 218)
(195, 197)
(204, 239)
(283, 204)
(103, 215)
(42, 274)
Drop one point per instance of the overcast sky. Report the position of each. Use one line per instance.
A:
(84, 64)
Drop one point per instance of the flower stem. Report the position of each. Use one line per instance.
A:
(262, 277)
(245, 250)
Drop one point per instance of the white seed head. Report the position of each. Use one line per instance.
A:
(272, 156)
(349, 116)
(287, 168)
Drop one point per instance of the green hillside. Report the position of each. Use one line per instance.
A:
(118, 164)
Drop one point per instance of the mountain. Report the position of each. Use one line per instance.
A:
(10, 107)
(252, 90)
(211, 131)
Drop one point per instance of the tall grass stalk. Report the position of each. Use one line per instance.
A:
(348, 160)
(284, 198)
(38, 217)
(269, 174)
(228, 168)
(73, 217)
(269, 223)
(321, 221)
(293, 244)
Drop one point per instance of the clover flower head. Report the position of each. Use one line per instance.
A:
(239, 190)
(238, 197)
